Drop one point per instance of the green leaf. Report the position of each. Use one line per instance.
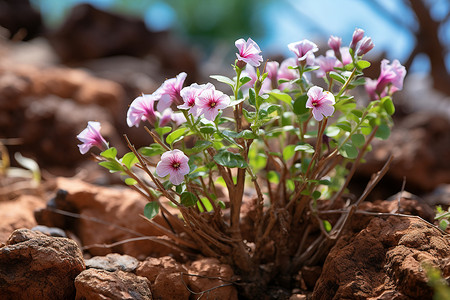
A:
(151, 209)
(188, 199)
(236, 102)
(130, 181)
(163, 130)
(358, 139)
(208, 129)
(112, 166)
(281, 96)
(288, 152)
(228, 159)
(207, 204)
(250, 116)
(223, 79)
(357, 113)
(252, 96)
(109, 153)
(325, 182)
(363, 64)
(176, 135)
(383, 132)
(338, 77)
(246, 134)
(198, 147)
(443, 224)
(244, 80)
(327, 225)
(153, 149)
(388, 105)
(304, 147)
(300, 105)
(348, 150)
(129, 159)
(316, 195)
(344, 125)
(273, 177)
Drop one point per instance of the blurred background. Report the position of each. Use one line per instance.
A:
(63, 63)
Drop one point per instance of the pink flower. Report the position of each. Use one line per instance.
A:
(304, 50)
(391, 74)
(357, 36)
(210, 101)
(175, 164)
(288, 74)
(142, 108)
(335, 44)
(370, 87)
(168, 115)
(364, 46)
(249, 52)
(169, 92)
(91, 137)
(321, 102)
(189, 94)
(326, 64)
(272, 75)
(251, 72)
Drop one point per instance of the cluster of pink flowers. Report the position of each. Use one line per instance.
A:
(172, 102)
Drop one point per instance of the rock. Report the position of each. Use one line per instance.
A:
(165, 274)
(385, 261)
(420, 144)
(207, 284)
(113, 262)
(110, 215)
(18, 213)
(100, 284)
(51, 231)
(36, 266)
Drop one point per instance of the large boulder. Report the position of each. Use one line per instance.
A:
(36, 266)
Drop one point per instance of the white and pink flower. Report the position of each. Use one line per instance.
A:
(189, 94)
(210, 102)
(321, 102)
(169, 92)
(175, 164)
(91, 137)
(304, 50)
(249, 52)
(142, 109)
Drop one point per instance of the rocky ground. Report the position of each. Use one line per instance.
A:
(80, 234)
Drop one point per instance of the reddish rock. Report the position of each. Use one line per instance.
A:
(165, 274)
(207, 284)
(100, 284)
(385, 261)
(18, 213)
(110, 215)
(36, 266)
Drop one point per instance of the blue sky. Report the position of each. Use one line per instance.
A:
(288, 21)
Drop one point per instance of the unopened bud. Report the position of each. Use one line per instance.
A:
(241, 64)
(358, 34)
(335, 43)
(365, 46)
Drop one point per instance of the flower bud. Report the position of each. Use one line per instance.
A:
(335, 43)
(357, 36)
(365, 46)
(241, 64)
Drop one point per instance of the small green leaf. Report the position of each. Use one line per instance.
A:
(300, 105)
(163, 130)
(250, 116)
(236, 102)
(109, 153)
(153, 149)
(388, 105)
(304, 147)
(316, 195)
(151, 209)
(344, 125)
(358, 139)
(281, 96)
(228, 159)
(383, 132)
(176, 135)
(244, 80)
(112, 166)
(443, 224)
(288, 152)
(223, 79)
(273, 177)
(348, 150)
(327, 225)
(198, 147)
(188, 199)
(325, 182)
(129, 159)
(357, 113)
(208, 129)
(338, 77)
(363, 64)
(252, 96)
(130, 181)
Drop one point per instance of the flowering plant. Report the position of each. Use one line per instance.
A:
(293, 144)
